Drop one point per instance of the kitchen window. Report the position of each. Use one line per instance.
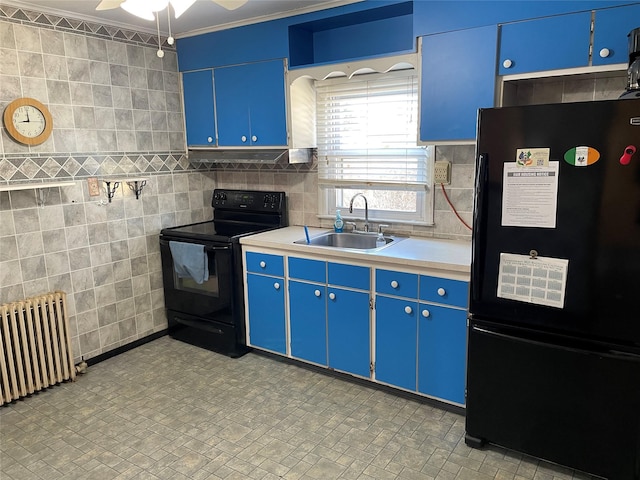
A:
(367, 143)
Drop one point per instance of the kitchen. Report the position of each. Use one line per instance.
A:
(108, 255)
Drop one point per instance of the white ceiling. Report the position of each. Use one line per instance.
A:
(203, 16)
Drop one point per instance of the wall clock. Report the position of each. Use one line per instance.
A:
(28, 121)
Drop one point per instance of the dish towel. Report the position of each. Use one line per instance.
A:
(190, 260)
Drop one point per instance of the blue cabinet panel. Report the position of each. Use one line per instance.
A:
(545, 44)
(349, 331)
(611, 27)
(308, 321)
(265, 263)
(458, 78)
(349, 276)
(401, 284)
(444, 290)
(396, 342)
(306, 269)
(198, 107)
(442, 347)
(437, 17)
(266, 315)
(250, 104)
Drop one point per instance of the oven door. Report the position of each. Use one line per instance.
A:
(211, 300)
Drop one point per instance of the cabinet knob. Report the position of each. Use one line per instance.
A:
(604, 53)
(408, 310)
(317, 293)
(394, 284)
(243, 138)
(210, 139)
(254, 138)
(263, 264)
(332, 296)
(425, 313)
(442, 292)
(276, 285)
(507, 63)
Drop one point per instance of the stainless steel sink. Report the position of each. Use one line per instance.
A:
(357, 241)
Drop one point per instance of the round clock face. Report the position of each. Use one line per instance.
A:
(29, 121)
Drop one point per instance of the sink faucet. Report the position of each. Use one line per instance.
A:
(366, 209)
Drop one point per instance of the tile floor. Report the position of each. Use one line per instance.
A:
(168, 410)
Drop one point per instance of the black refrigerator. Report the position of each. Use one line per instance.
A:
(553, 367)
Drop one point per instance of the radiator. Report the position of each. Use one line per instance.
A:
(35, 345)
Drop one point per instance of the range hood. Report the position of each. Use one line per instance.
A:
(268, 156)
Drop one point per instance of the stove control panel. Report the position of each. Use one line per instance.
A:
(252, 200)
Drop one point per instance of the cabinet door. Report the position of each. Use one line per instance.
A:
(232, 105)
(442, 351)
(266, 317)
(396, 341)
(198, 108)
(349, 331)
(308, 321)
(250, 104)
(611, 27)
(267, 107)
(458, 77)
(545, 44)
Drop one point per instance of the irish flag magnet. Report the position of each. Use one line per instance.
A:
(581, 156)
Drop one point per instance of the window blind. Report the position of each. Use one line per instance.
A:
(367, 128)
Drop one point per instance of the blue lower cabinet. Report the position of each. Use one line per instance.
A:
(442, 347)
(396, 342)
(308, 321)
(266, 315)
(349, 331)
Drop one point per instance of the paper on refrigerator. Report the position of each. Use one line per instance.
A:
(540, 280)
(530, 195)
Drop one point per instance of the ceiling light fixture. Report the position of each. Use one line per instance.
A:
(147, 8)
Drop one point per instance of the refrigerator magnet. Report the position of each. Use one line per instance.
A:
(532, 157)
(581, 156)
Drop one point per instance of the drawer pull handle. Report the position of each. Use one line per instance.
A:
(408, 310)
(254, 138)
(425, 313)
(276, 285)
(332, 296)
(394, 284)
(317, 293)
(263, 264)
(442, 292)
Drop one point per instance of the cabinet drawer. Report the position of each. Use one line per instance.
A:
(443, 290)
(349, 276)
(397, 283)
(265, 263)
(305, 269)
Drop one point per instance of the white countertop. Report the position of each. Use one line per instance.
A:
(432, 253)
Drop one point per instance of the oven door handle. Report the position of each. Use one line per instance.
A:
(207, 248)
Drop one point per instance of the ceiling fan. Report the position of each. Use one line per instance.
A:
(146, 8)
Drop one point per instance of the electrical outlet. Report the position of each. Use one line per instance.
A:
(442, 172)
(94, 186)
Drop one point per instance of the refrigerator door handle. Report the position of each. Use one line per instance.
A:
(479, 221)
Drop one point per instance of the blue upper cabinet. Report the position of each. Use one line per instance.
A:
(198, 108)
(250, 104)
(611, 27)
(545, 44)
(458, 77)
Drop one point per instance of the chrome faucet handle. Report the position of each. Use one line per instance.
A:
(381, 226)
(353, 225)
